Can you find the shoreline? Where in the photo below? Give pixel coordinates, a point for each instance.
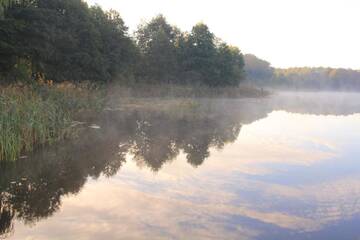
(43, 114)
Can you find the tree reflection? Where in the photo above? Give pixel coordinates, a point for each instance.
(158, 140)
(32, 188)
(6, 217)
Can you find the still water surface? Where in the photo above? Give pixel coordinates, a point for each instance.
(286, 167)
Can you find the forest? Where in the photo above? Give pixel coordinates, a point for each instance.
(67, 40)
(261, 73)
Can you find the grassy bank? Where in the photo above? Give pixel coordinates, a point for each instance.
(34, 115)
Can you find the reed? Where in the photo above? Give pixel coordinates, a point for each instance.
(35, 115)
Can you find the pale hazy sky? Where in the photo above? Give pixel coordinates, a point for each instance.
(285, 32)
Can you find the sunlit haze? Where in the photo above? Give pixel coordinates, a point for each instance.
(180, 119)
(286, 33)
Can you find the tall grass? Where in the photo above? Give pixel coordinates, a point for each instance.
(39, 114)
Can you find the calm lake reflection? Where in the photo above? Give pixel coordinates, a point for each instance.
(286, 167)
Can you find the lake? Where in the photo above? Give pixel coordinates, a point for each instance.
(283, 167)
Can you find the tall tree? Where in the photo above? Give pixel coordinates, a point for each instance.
(201, 54)
(210, 61)
(66, 40)
(230, 64)
(156, 41)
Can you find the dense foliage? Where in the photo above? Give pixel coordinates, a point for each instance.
(65, 40)
(318, 78)
(261, 73)
(68, 40)
(198, 57)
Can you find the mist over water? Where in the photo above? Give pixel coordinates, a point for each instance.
(282, 167)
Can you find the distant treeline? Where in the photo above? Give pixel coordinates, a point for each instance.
(261, 73)
(68, 40)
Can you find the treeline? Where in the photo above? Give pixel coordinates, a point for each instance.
(68, 40)
(318, 78)
(261, 73)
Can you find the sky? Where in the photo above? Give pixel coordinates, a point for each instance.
(287, 33)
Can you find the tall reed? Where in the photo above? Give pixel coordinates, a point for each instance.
(38, 114)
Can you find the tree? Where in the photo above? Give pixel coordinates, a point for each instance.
(66, 40)
(230, 63)
(201, 54)
(257, 70)
(119, 50)
(156, 41)
(209, 61)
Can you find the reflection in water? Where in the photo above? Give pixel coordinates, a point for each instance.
(6, 217)
(32, 188)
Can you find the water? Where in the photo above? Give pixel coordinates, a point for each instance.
(286, 167)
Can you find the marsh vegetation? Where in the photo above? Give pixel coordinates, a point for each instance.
(39, 114)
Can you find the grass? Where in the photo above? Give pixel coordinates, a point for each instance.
(34, 115)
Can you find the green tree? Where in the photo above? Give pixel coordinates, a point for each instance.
(66, 40)
(156, 41)
(201, 54)
(230, 63)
